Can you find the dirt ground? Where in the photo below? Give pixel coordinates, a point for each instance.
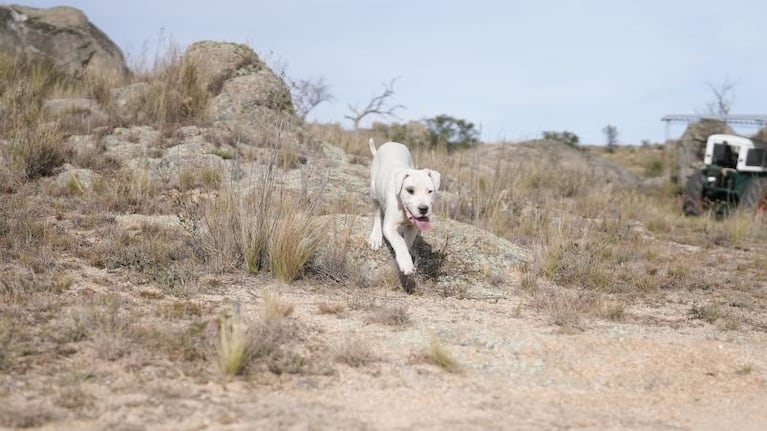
(657, 370)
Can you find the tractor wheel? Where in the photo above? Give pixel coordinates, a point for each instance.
(693, 195)
(755, 196)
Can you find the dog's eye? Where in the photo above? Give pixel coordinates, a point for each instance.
(431, 191)
(410, 190)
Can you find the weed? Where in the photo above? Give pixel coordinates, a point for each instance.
(745, 370)
(438, 355)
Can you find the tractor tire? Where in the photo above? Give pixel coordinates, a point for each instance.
(755, 196)
(693, 195)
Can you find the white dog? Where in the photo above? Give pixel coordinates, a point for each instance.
(403, 196)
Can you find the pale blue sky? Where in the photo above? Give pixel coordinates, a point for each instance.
(515, 68)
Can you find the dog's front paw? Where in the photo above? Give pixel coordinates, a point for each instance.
(375, 242)
(406, 266)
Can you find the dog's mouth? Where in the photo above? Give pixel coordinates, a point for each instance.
(422, 223)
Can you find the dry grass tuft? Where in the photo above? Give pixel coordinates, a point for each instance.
(438, 355)
(296, 239)
(354, 353)
(330, 308)
(274, 307)
(707, 313)
(235, 345)
(392, 315)
(176, 95)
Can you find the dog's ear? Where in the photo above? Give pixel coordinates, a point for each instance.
(435, 178)
(400, 180)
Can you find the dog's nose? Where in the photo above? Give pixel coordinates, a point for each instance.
(423, 209)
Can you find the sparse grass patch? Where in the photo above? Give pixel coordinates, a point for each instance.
(260, 229)
(613, 311)
(108, 322)
(296, 239)
(390, 315)
(274, 307)
(38, 151)
(566, 308)
(354, 353)
(181, 309)
(331, 308)
(438, 355)
(129, 191)
(654, 168)
(224, 153)
(30, 415)
(7, 328)
(331, 263)
(235, 344)
(707, 313)
(247, 346)
(176, 94)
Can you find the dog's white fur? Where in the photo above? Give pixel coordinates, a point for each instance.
(403, 197)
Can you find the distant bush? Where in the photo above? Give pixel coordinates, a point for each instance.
(452, 132)
(565, 137)
(413, 133)
(654, 168)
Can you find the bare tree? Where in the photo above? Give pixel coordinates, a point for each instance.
(308, 94)
(724, 96)
(378, 105)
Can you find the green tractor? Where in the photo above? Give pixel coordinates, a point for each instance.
(734, 175)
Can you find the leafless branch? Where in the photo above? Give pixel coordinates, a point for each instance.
(308, 94)
(378, 105)
(724, 96)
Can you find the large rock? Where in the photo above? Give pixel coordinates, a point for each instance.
(456, 259)
(63, 35)
(217, 62)
(691, 147)
(250, 101)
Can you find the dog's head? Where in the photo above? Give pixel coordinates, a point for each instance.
(417, 189)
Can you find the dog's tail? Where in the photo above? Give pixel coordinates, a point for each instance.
(372, 145)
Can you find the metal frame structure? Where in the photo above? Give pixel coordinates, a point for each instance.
(756, 121)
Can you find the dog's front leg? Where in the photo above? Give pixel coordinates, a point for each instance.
(376, 238)
(401, 252)
(410, 233)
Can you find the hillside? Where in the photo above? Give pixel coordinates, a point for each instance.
(179, 251)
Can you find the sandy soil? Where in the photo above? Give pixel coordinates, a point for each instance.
(517, 371)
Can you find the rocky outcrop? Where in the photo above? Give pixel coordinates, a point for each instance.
(455, 259)
(249, 99)
(217, 62)
(63, 35)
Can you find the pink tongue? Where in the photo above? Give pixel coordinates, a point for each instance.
(422, 225)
